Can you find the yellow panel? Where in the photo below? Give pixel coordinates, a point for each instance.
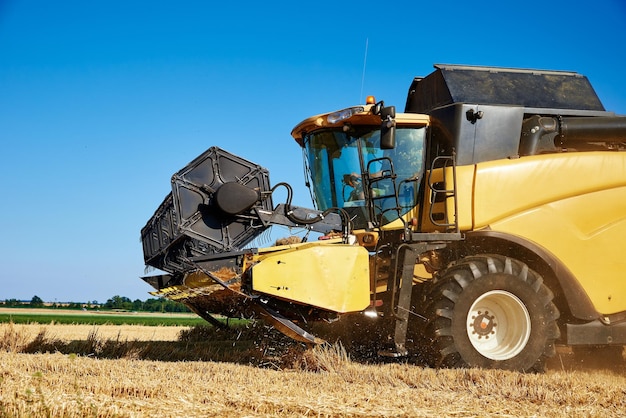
(465, 185)
(506, 187)
(574, 205)
(587, 234)
(333, 277)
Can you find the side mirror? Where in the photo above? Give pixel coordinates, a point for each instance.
(388, 127)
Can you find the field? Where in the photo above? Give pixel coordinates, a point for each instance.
(60, 370)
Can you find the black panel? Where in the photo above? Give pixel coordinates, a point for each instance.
(502, 86)
(479, 111)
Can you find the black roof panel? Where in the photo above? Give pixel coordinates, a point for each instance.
(501, 86)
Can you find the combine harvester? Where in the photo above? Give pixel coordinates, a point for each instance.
(481, 227)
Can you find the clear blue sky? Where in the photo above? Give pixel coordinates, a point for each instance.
(102, 101)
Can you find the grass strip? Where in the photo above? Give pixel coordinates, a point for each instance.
(96, 319)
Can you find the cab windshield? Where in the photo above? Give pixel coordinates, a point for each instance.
(337, 161)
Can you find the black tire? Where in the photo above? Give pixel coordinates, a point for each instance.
(490, 311)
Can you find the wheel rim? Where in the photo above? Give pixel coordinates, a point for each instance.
(498, 325)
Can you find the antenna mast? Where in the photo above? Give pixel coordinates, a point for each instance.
(363, 75)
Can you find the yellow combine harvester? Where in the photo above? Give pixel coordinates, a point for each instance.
(485, 224)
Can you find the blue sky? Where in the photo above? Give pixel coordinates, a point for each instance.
(102, 101)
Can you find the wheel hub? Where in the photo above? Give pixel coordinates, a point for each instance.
(498, 325)
(483, 324)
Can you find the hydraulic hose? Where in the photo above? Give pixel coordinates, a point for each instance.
(289, 213)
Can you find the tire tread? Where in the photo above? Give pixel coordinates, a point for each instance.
(446, 289)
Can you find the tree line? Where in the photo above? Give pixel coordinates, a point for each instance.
(117, 302)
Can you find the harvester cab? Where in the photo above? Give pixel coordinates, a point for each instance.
(352, 162)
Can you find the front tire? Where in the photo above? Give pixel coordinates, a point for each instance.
(491, 311)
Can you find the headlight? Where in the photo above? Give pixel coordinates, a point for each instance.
(344, 114)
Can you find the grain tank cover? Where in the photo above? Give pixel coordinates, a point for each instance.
(478, 111)
(501, 86)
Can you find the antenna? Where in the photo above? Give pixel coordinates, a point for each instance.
(363, 75)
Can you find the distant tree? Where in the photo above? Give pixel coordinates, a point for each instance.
(149, 305)
(119, 302)
(137, 305)
(153, 305)
(11, 303)
(163, 305)
(173, 306)
(93, 304)
(36, 302)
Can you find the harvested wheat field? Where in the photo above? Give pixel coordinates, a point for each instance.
(113, 379)
(81, 331)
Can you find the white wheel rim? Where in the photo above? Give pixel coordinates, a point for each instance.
(498, 325)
